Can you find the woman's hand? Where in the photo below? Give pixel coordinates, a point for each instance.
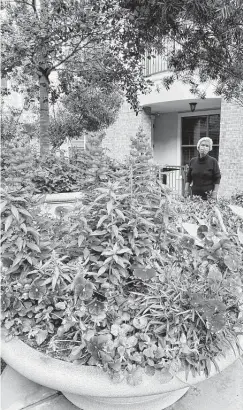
(187, 190)
(214, 195)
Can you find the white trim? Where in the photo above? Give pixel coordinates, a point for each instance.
(189, 114)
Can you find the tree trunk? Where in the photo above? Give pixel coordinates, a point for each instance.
(44, 116)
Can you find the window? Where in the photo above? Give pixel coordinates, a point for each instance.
(194, 128)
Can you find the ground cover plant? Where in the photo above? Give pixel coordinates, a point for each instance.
(130, 281)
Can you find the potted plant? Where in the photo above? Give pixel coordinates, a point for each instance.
(118, 303)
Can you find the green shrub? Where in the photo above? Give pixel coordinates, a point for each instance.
(127, 286)
(17, 164)
(22, 168)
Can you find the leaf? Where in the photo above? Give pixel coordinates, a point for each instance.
(18, 258)
(55, 277)
(41, 336)
(149, 370)
(140, 322)
(19, 243)
(231, 262)
(34, 233)
(23, 227)
(3, 205)
(124, 250)
(237, 210)
(164, 376)
(24, 212)
(109, 207)
(220, 219)
(60, 305)
(240, 235)
(115, 329)
(120, 214)
(135, 378)
(101, 220)
(8, 222)
(102, 270)
(115, 230)
(98, 233)
(80, 240)
(76, 352)
(86, 253)
(144, 273)
(216, 322)
(192, 230)
(15, 212)
(33, 246)
(29, 259)
(202, 229)
(131, 341)
(116, 365)
(214, 274)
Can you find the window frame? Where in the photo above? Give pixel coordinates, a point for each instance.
(202, 113)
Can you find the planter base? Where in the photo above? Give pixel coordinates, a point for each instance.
(155, 402)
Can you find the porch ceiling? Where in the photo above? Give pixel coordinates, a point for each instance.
(183, 105)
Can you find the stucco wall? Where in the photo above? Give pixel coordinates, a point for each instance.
(231, 149)
(165, 138)
(118, 135)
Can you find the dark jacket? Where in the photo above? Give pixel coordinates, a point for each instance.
(203, 173)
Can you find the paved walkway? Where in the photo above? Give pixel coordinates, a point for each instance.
(222, 392)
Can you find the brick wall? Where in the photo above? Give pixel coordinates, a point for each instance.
(118, 135)
(231, 149)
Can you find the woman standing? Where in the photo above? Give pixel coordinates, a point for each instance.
(204, 173)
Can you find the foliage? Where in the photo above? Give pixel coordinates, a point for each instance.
(125, 286)
(22, 246)
(17, 163)
(205, 39)
(22, 168)
(85, 109)
(95, 164)
(53, 175)
(37, 43)
(10, 124)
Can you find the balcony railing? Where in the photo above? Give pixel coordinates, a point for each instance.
(155, 65)
(157, 62)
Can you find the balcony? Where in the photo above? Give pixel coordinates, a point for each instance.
(155, 65)
(156, 62)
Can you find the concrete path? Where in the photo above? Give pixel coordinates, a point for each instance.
(222, 392)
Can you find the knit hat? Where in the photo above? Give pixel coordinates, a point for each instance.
(205, 139)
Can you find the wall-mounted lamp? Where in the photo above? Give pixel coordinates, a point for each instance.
(193, 106)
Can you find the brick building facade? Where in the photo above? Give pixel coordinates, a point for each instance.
(161, 117)
(231, 148)
(118, 135)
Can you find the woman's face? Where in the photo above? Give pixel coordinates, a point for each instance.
(204, 148)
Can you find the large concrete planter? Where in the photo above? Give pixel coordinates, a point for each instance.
(90, 388)
(50, 203)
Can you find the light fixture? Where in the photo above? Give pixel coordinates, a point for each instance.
(193, 106)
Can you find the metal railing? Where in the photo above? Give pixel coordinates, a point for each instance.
(157, 62)
(174, 177)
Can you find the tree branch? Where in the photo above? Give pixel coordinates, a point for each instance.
(70, 55)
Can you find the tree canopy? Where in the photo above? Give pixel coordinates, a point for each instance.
(72, 38)
(206, 38)
(83, 110)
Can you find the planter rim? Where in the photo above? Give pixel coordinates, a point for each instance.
(91, 380)
(61, 197)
